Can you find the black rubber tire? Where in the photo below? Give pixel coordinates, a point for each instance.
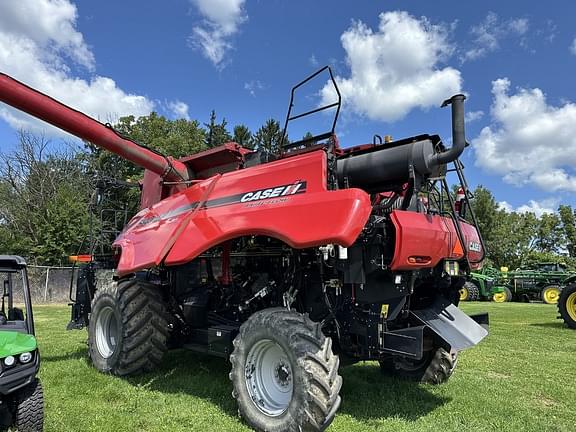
(141, 315)
(28, 408)
(567, 291)
(473, 291)
(436, 367)
(316, 383)
(509, 295)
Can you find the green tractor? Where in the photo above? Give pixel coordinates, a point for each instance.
(481, 285)
(543, 281)
(21, 397)
(567, 303)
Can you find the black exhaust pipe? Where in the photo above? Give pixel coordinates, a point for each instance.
(458, 133)
(389, 165)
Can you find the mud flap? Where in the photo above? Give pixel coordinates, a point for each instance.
(458, 330)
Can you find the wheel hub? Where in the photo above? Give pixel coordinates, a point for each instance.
(269, 379)
(551, 295)
(107, 332)
(499, 297)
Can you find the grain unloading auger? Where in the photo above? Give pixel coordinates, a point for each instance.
(284, 264)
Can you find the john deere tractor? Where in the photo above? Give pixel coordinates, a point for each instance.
(567, 303)
(21, 397)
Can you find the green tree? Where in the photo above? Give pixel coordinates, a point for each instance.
(268, 137)
(216, 133)
(43, 201)
(549, 236)
(243, 136)
(568, 219)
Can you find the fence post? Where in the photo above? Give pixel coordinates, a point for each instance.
(46, 285)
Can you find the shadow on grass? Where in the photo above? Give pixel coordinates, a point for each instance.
(549, 324)
(194, 374)
(366, 393)
(73, 355)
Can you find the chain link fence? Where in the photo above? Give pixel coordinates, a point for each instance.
(49, 284)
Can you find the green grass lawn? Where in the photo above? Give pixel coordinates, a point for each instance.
(522, 377)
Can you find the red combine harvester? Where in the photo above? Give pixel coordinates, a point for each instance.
(285, 264)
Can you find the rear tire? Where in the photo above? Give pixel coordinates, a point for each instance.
(128, 328)
(284, 373)
(28, 408)
(503, 297)
(550, 294)
(436, 367)
(567, 305)
(469, 292)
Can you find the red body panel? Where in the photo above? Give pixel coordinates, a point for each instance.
(430, 239)
(184, 225)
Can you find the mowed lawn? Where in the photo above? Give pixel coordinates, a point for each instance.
(521, 378)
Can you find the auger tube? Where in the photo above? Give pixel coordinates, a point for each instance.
(43, 107)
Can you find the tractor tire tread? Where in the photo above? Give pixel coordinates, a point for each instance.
(314, 357)
(144, 326)
(28, 408)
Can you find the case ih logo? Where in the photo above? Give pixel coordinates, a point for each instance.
(262, 194)
(474, 246)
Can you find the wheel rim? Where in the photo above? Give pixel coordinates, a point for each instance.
(463, 293)
(269, 378)
(551, 295)
(107, 331)
(571, 305)
(499, 297)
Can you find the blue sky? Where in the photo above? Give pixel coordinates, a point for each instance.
(395, 62)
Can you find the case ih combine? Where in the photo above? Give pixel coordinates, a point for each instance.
(285, 264)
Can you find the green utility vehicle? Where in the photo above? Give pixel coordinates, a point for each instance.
(21, 398)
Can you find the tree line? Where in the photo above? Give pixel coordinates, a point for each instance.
(49, 193)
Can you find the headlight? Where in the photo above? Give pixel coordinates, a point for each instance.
(25, 357)
(9, 361)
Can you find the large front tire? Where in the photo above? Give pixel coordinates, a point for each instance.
(28, 408)
(284, 373)
(567, 305)
(435, 367)
(128, 328)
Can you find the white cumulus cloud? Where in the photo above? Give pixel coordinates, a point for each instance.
(529, 141)
(537, 207)
(39, 45)
(395, 68)
(471, 116)
(490, 32)
(222, 19)
(179, 109)
(573, 47)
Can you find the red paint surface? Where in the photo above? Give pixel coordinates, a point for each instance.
(421, 235)
(303, 220)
